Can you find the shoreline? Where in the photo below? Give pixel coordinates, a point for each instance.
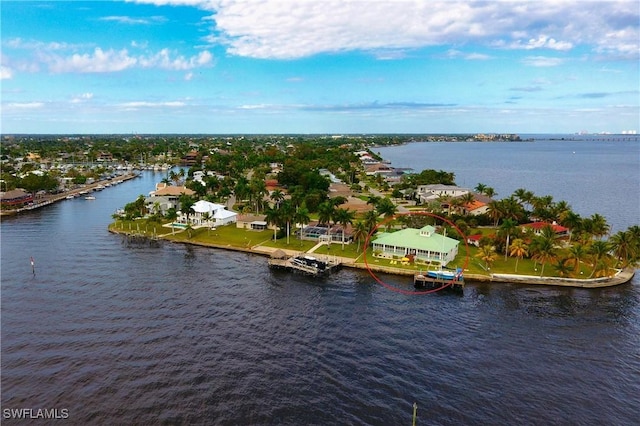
(622, 277)
(54, 198)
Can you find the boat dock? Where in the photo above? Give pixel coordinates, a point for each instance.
(304, 263)
(435, 280)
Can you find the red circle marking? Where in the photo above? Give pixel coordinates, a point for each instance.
(401, 290)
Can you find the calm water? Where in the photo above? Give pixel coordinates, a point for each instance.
(593, 176)
(120, 334)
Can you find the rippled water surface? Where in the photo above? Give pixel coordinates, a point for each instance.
(133, 334)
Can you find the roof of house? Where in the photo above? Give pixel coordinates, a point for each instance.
(248, 217)
(440, 187)
(475, 204)
(539, 225)
(224, 214)
(203, 206)
(174, 190)
(412, 238)
(13, 194)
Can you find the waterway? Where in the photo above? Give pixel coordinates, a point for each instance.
(171, 334)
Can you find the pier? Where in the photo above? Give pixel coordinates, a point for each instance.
(304, 263)
(435, 281)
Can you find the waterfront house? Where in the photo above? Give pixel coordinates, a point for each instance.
(426, 193)
(537, 228)
(161, 205)
(424, 244)
(216, 213)
(166, 197)
(326, 233)
(254, 222)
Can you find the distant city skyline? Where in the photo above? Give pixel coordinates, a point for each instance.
(330, 67)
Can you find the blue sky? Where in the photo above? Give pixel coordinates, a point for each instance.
(332, 66)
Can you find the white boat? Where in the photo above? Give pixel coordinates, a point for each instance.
(89, 197)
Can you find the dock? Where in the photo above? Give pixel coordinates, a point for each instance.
(304, 263)
(435, 281)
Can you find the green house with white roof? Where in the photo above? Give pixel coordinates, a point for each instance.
(423, 243)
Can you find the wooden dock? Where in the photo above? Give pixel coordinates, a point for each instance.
(306, 264)
(426, 282)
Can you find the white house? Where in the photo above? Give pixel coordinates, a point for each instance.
(426, 193)
(217, 214)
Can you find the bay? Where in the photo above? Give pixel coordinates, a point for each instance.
(120, 333)
(594, 175)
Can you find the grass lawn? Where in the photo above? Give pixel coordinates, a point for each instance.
(230, 235)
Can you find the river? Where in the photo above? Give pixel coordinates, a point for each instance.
(115, 333)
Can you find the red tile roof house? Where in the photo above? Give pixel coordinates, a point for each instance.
(537, 227)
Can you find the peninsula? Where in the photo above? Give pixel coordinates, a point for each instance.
(329, 196)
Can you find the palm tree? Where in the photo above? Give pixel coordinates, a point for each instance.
(371, 220)
(257, 189)
(175, 177)
(272, 217)
(544, 251)
(287, 213)
(467, 199)
(326, 212)
(623, 247)
(360, 232)
(387, 208)
(480, 187)
(495, 211)
(518, 249)
(488, 254)
(562, 267)
(344, 217)
(373, 200)
(576, 253)
(206, 217)
(599, 225)
(186, 202)
(189, 230)
(508, 227)
(599, 252)
(572, 221)
(277, 197)
(490, 192)
(301, 216)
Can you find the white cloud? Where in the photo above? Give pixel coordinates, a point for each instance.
(22, 106)
(146, 104)
(543, 42)
(134, 21)
(453, 53)
(285, 30)
(82, 98)
(112, 61)
(6, 73)
(100, 61)
(542, 61)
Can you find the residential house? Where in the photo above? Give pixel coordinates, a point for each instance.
(424, 244)
(167, 197)
(426, 193)
(537, 228)
(252, 221)
(317, 232)
(206, 213)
